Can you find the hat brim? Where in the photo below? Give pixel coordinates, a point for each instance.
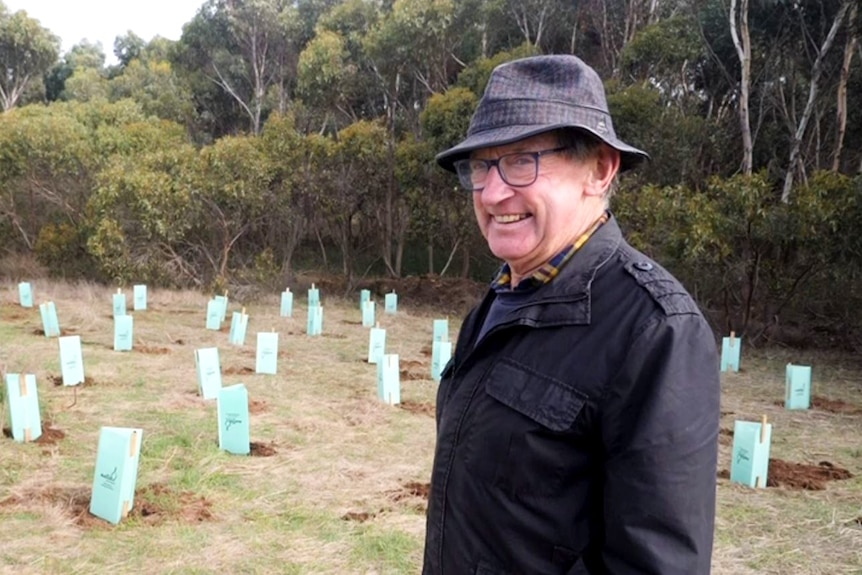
(630, 157)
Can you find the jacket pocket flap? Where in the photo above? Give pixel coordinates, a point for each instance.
(546, 400)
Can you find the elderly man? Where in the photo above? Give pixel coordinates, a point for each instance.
(577, 422)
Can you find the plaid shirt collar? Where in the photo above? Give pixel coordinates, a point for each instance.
(503, 280)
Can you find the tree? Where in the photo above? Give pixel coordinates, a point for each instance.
(84, 54)
(27, 51)
(241, 46)
(794, 163)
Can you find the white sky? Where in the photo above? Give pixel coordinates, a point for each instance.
(104, 20)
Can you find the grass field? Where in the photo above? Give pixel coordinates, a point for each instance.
(342, 487)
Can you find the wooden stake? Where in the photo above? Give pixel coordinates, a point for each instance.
(732, 338)
(23, 386)
(28, 436)
(125, 512)
(119, 290)
(763, 430)
(133, 444)
(757, 482)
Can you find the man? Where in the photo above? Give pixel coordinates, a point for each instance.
(578, 420)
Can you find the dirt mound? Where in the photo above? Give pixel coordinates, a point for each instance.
(802, 476)
(154, 504)
(63, 332)
(798, 476)
(152, 350)
(238, 370)
(418, 407)
(50, 435)
(257, 406)
(57, 380)
(835, 405)
(414, 370)
(358, 516)
(262, 449)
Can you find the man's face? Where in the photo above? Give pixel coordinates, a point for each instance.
(527, 226)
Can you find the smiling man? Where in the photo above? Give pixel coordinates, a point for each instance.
(577, 422)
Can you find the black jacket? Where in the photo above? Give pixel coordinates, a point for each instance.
(579, 436)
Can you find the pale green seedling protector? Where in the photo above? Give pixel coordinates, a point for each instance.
(139, 297)
(267, 353)
(25, 294)
(116, 473)
(71, 360)
(797, 387)
(364, 296)
(214, 307)
(314, 325)
(222, 302)
(750, 456)
(376, 344)
(50, 323)
(119, 304)
(390, 303)
(441, 353)
(389, 380)
(313, 296)
(238, 327)
(731, 349)
(23, 399)
(233, 424)
(441, 330)
(209, 372)
(123, 332)
(368, 313)
(287, 303)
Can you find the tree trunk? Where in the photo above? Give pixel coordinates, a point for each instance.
(794, 162)
(465, 263)
(430, 256)
(841, 100)
(742, 43)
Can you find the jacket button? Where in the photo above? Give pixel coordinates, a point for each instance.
(643, 266)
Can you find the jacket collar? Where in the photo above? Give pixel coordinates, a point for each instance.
(571, 286)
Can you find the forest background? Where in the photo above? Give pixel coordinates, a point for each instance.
(278, 141)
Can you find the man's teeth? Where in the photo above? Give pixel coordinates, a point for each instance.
(509, 218)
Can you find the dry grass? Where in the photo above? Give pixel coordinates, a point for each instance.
(343, 492)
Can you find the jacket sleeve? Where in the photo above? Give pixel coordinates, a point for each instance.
(659, 421)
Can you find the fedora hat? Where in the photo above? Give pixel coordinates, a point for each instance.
(538, 94)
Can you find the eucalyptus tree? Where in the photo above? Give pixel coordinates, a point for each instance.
(83, 55)
(245, 48)
(27, 52)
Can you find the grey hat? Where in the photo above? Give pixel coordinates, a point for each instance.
(539, 94)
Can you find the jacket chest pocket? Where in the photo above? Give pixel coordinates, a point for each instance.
(519, 435)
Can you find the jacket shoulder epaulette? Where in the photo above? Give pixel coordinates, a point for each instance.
(663, 288)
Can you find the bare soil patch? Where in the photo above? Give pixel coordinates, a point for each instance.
(803, 476)
(257, 406)
(427, 351)
(63, 331)
(418, 407)
(799, 476)
(358, 516)
(154, 504)
(412, 370)
(262, 449)
(351, 322)
(830, 405)
(242, 370)
(725, 436)
(152, 350)
(57, 380)
(333, 336)
(835, 405)
(51, 436)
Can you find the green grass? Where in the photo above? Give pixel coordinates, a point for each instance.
(332, 500)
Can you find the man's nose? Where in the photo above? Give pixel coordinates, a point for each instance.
(496, 189)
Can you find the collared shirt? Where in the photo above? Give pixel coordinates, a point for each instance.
(509, 299)
(503, 280)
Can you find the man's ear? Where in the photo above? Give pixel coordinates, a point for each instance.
(605, 165)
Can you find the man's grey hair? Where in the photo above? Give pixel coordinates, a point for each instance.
(582, 145)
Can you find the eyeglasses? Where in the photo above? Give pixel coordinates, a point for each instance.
(518, 169)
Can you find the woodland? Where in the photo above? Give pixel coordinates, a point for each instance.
(281, 138)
